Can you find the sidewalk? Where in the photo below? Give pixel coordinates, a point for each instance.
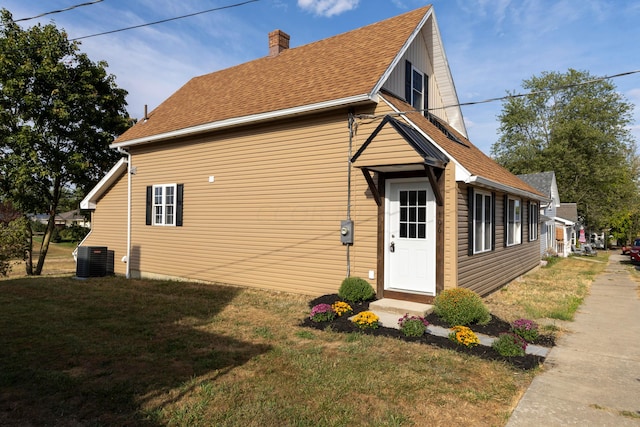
(592, 376)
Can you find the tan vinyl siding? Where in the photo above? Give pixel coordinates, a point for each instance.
(486, 272)
(271, 217)
(450, 228)
(109, 223)
(388, 148)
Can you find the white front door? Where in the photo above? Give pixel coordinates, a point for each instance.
(410, 236)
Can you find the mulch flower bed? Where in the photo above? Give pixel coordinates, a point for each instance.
(495, 327)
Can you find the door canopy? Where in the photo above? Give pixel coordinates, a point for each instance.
(432, 158)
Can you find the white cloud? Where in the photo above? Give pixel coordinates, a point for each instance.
(634, 95)
(328, 8)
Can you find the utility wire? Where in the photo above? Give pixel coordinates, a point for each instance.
(551, 89)
(166, 20)
(502, 98)
(59, 10)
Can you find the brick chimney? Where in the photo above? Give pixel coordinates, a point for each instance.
(278, 41)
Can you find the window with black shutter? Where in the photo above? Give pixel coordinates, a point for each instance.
(164, 204)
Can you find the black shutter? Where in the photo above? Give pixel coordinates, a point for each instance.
(505, 208)
(425, 95)
(521, 222)
(493, 221)
(407, 82)
(179, 203)
(471, 207)
(149, 203)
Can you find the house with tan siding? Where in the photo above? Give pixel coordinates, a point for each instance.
(344, 157)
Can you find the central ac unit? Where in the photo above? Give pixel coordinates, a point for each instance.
(92, 261)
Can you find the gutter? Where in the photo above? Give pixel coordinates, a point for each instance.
(206, 127)
(128, 255)
(484, 182)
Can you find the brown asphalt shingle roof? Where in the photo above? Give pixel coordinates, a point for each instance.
(468, 155)
(342, 66)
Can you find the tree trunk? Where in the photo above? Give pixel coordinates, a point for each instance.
(46, 239)
(28, 249)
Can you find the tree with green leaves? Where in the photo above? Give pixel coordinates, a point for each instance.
(12, 226)
(576, 125)
(59, 111)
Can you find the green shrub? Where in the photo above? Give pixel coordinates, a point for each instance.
(461, 306)
(75, 233)
(55, 236)
(509, 344)
(12, 243)
(356, 289)
(38, 227)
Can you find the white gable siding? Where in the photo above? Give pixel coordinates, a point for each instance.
(419, 56)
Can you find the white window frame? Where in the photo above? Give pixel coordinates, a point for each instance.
(164, 205)
(514, 221)
(534, 218)
(414, 90)
(483, 226)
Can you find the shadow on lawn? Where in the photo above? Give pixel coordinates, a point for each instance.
(97, 352)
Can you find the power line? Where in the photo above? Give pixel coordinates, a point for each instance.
(166, 20)
(59, 10)
(520, 95)
(502, 98)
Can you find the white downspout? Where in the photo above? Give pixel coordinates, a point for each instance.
(128, 256)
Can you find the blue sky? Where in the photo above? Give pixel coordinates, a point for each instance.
(491, 45)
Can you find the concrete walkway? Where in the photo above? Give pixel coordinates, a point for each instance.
(592, 376)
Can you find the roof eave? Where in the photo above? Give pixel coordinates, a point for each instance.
(401, 52)
(565, 221)
(484, 182)
(90, 201)
(236, 121)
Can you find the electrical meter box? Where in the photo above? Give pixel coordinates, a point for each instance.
(346, 232)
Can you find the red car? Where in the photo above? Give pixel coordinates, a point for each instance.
(634, 251)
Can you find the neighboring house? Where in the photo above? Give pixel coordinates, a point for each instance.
(569, 212)
(65, 219)
(297, 169)
(556, 233)
(71, 218)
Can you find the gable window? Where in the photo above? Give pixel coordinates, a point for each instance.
(534, 213)
(416, 84)
(416, 89)
(482, 222)
(514, 222)
(164, 204)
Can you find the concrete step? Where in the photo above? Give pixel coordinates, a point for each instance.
(391, 310)
(388, 305)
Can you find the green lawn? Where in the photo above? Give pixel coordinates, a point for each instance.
(110, 351)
